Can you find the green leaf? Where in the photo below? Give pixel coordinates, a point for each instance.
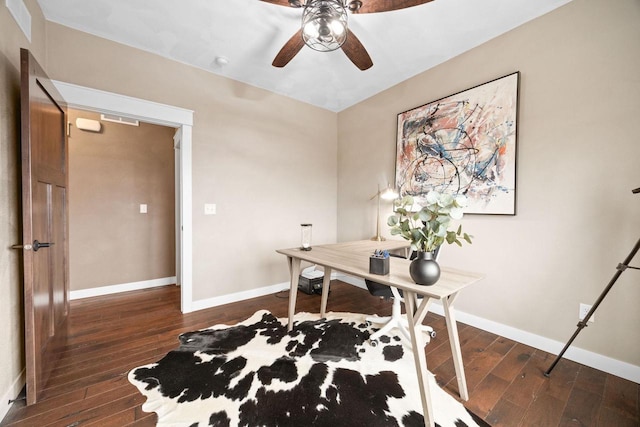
(407, 201)
(444, 219)
(451, 237)
(446, 200)
(424, 215)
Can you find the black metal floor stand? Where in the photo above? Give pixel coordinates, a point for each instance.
(583, 323)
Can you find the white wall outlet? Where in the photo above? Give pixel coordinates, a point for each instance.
(584, 310)
(209, 209)
(143, 208)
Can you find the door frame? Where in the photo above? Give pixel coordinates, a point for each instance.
(84, 98)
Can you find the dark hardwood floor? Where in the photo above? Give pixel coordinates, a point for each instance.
(112, 334)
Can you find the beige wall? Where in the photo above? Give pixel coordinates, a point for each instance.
(578, 159)
(11, 322)
(269, 163)
(110, 174)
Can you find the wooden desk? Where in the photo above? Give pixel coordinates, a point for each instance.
(353, 258)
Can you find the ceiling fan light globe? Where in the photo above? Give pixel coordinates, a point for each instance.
(338, 28)
(310, 30)
(324, 24)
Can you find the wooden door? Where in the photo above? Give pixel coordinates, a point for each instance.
(44, 222)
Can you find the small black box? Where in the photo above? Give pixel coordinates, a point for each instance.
(310, 286)
(379, 265)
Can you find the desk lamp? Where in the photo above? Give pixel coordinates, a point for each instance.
(388, 193)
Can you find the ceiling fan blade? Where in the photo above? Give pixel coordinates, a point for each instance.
(356, 52)
(278, 2)
(373, 6)
(289, 50)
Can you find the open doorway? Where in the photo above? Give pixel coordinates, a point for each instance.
(122, 211)
(83, 98)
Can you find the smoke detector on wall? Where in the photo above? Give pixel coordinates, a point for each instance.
(119, 119)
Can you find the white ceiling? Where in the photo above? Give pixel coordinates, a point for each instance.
(250, 33)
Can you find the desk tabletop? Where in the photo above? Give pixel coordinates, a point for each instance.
(353, 258)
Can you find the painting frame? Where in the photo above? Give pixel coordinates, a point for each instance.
(464, 143)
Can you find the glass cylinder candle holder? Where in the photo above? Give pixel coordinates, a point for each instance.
(306, 237)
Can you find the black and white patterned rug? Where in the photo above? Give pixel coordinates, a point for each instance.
(322, 373)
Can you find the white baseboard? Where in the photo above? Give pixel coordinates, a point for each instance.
(124, 287)
(241, 296)
(594, 360)
(11, 394)
(238, 296)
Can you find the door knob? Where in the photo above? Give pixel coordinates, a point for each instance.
(37, 245)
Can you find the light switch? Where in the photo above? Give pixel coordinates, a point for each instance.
(143, 208)
(209, 209)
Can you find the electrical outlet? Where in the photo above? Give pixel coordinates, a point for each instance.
(209, 209)
(584, 310)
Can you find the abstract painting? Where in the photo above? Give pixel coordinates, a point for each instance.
(463, 144)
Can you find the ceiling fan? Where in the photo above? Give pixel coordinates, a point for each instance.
(324, 27)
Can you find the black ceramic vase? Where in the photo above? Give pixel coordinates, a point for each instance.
(424, 270)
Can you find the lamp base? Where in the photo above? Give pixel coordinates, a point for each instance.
(378, 239)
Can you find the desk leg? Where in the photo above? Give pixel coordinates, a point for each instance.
(452, 329)
(326, 282)
(294, 268)
(420, 359)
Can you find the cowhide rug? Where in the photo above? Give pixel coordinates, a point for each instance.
(323, 373)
